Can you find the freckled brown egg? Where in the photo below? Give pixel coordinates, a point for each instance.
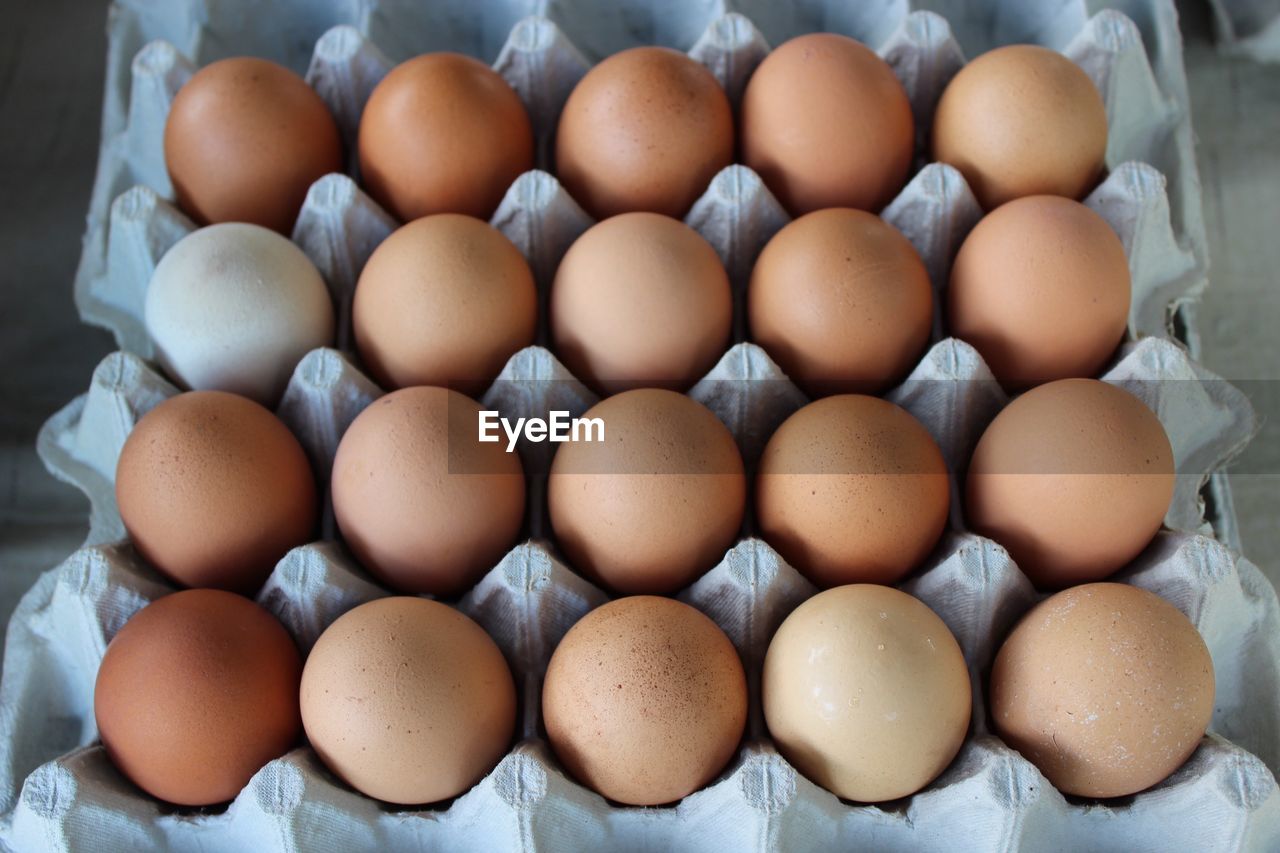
(852, 489)
(196, 692)
(1041, 289)
(645, 700)
(654, 505)
(244, 140)
(408, 701)
(826, 123)
(841, 301)
(1073, 478)
(1105, 687)
(1022, 120)
(445, 300)
(646, 129)
(640, 300)
(443, 133)
(214, 490)
(421, 502)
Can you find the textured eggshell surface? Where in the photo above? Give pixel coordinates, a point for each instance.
(866, 692)
(645, 700)
(408, 701)
(1105, 687)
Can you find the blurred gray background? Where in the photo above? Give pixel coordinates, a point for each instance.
(52, 55)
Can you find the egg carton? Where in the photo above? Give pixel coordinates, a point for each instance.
(1248, 27)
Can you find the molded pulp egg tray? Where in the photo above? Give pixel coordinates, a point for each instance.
(59, 792)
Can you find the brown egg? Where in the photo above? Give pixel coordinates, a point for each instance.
(654, 505)
(244, 141)
(421, 502)
(645, 700)
(866, 692)
(443, 133)
(640, 300)
(195, 694)
(445, 300)
(852, 489)
(1073, 478)
(826, 123)
(841, 301)
(647, 129)
(1022, 120)
(214, 490)
(1106, 688)
(408, 701)
(1041, 289)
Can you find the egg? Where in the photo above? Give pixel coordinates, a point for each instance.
(445, 300)
(195, 693)
(841, 301)
(1022, 120)
(235, 307)
(1041, 289)
(421, 502)
(646, 129)
(656, 503)
(443, 133)
(645, 700)
(243, 142)
(214, 490)
(1073, 478)
(852, 489)
(825, 123)
(640, 300)
(866, 692)
(408, 701)
(1105, 687)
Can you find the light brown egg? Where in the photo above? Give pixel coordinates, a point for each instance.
(422, 503)
(1022, 120)
(654, 505)
(866, 692)
(646, 129)
(443, 133)
(841, 301)
(645, 700)
(214, 490)
(196, 692)
(445, 300)
(1105, 687)
(826, 123)
(1041, 289)
(244, 141)
(1073, 478)
(640, 300)
(852, 489)
(408, 701)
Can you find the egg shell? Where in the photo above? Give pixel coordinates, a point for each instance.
(421, 502)
(645, 700)
(1073, 478)
(1106, 688)
(408, 701)
(826, 123)
(243, 142)
(852, 489)
(646, 129)
(841, 301)
(640, 300)
(196, 692)
(443, 133)
(214, 490)
(654, 505)
(1022, 120)
(866, 692)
